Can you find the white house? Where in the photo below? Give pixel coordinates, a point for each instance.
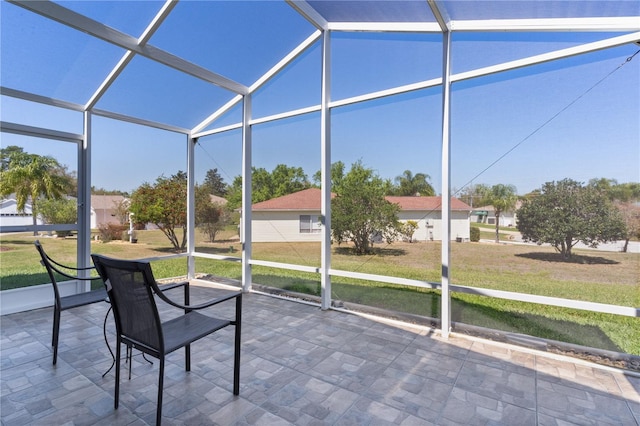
(103, 210)
(487, 214)
(10, 216)
(296, 217)
(427, 211)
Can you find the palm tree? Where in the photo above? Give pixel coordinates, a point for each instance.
(31, 176)
(410, 184)
(502, 198)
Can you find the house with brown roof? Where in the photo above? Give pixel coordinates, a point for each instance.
(427, 212)
(296, 217)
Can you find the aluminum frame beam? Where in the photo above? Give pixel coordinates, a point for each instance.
(140, 121)
(613, 24)
(325, 167)
(549, 56)
(129, 55)
(309, 13)
(445, 298)
(32, 97)
(245, 218)
(290, 57)
(97, 29)
(39, 132)
(493, 69)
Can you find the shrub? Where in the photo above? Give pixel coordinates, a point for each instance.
(474, 234)
(111, 231)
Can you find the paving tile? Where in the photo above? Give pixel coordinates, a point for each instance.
(577, 375)
(414, 394)
(429, 364)
(470, 408)
(630, 388)
(578, 405)
(502, 357)
(299, 366)
(499, 383)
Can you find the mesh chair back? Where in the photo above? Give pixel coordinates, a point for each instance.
(135, 311)
(44, 260)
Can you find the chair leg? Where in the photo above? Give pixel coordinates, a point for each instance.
(55, 334)
(160, 386)
(236, 350)
(116, 398)
(129, 357)
(187, 357)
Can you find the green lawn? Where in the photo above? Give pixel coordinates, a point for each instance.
(602, 277)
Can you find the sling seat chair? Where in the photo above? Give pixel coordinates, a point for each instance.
(62, 303)
(132, 289)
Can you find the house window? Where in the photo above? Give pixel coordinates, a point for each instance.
(310, 224)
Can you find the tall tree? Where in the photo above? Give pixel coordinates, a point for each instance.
(211, 218)
(214, 183)
(565, 213)
(409, 184)
(6, 153)
(102, 191)
(287, 180)
(503, 198)
(473, 195)
(281, 181)
(234, 196)
(630, 214)
(59, 211)
(31, 176)
(262, 185)
(337, 175)
(360, 212)
(165, 205)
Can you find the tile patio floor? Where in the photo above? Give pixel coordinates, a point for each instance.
(302, 366)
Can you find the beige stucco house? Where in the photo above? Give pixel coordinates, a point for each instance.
(296, 217)
(104, 209)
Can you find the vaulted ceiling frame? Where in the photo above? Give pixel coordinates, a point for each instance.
(129, 55)
(410, 27)
(608, 24)
(97, 29)
(282, 64)
(493, 69)
(309, 13)
(45, 100)
(139, 46)
(549, 56)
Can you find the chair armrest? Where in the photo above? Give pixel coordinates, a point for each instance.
(73, 277)
(158, 291)
(170, 286)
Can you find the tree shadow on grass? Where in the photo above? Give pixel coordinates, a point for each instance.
(232, 250)
(376, 251)
(414, 305)
(576, 259)
(17, 242)
(531, 324)
(474, 317)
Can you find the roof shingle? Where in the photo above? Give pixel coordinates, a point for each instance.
(310, 199)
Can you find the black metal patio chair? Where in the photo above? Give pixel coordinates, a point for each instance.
(62, 303)
(132, 288)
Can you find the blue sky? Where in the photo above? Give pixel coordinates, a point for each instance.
(597, 136)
